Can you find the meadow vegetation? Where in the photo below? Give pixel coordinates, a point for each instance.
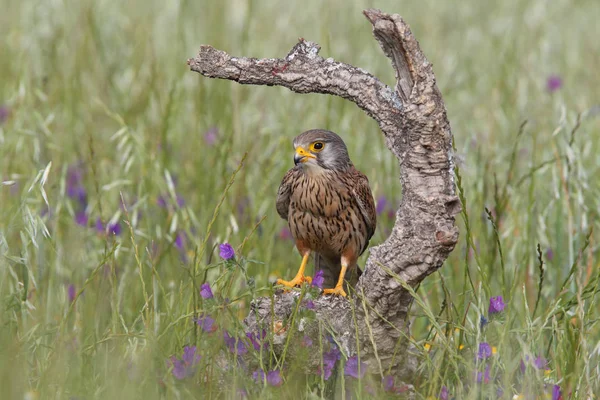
(137, 199)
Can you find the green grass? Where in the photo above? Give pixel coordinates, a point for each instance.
(102, 87)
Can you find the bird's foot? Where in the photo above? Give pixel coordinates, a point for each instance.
(297, 281)
(338, 291)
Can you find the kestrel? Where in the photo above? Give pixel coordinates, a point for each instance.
(328, 205)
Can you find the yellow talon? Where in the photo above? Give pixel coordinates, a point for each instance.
(339, 287)
(297, 281)
(338, 290)
(300, 278)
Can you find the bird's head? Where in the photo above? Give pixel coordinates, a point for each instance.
(318, 150)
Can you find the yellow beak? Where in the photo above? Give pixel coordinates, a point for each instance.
(302, 155)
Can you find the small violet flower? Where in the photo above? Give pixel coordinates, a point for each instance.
(211, 135)
(329, 360)
(354, 368)
(4, 114)
(556, 393)
(496, 305)
(553, 83)
(285, 234)
(180, 240)
(81, 218)
(234, 345)
(115, 228)
(485, 376)
(444, 395)
(226, 251)
(319, 279)
(485, 351)
(540, 363)
(71, 292)
(206, 323)
(257, 338)
(206, 291)
(549, 254)
(273, 377)
(307, 341)
(382, 203)
(186, 366)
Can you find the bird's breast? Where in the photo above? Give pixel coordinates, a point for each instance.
(323, 214)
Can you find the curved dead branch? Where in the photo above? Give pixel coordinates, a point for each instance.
(413, 119)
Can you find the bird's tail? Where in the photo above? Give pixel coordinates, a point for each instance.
(331, 271)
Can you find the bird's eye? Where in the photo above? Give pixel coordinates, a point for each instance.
(317, 146)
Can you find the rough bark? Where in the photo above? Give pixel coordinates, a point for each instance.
(413, 119)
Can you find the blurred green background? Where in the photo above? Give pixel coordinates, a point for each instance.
(97, 102)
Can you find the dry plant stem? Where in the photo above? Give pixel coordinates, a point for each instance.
(413, 119)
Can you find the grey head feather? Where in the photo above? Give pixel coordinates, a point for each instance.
(334, 155)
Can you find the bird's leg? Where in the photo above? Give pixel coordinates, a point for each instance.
(300, 277)
(339, 287)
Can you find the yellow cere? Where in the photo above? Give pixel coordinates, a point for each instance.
(304, 154)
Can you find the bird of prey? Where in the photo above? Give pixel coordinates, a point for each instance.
(329, 208)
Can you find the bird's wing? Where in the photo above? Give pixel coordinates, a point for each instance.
(285, 191)
(364, 198)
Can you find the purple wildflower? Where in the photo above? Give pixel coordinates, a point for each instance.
(285, 234)
(496, 305)
(234, 345)
(388, 383)
(309, 304)
(75, 188)
(485, 351)
(99, 225)
(540, 363)
(258, 339)
(4, 114)
(553, 83)
(549, 254)
(180, 240)
(206, 291)
(354, 368)
(258, 376)
(207, 323)
(115, 228)
(556, 393)
(187, 365)
(274, 378)
(382, 203)
(444, 394)
(71, 292)
(161, 201)
(329, 360)
(485, 376)
(81, 218)
(226, 251)
(319, 279)
(189, 356)
(307, 341)
(210, 136)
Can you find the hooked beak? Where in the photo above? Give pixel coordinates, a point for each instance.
(302, 155)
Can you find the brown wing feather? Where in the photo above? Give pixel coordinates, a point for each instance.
(366, 204)
(284, 193)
